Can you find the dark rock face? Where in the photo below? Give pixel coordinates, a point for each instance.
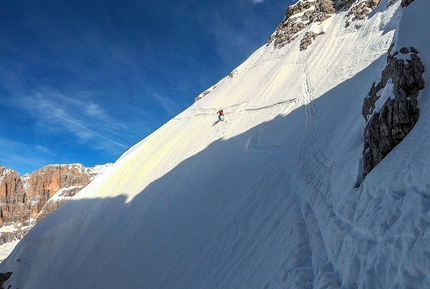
(4, 277)
(406, 3)
(388, 123)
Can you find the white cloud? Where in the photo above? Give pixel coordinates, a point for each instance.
(19, 156)
(167, 103)
(257, 1)
(86, 120)
(42, 149)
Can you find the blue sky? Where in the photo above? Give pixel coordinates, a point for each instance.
(83, 81)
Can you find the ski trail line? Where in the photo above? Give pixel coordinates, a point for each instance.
(308, 94)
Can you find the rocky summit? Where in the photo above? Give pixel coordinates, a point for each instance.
(300, 15)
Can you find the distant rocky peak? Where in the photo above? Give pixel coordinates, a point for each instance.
(4, 172)
(26, 200)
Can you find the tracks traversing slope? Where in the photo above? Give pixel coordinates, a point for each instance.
(311, 118)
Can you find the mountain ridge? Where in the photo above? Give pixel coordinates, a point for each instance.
(27, 199)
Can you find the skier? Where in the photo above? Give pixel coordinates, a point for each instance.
(220, 115)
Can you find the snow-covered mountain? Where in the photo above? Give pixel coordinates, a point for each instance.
(273, 196)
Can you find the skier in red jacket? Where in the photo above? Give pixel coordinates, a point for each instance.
(220, 115)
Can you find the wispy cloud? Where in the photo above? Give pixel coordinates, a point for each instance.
(257, 1)
(42, 149)
(85, 128)
(168, 104)
(20, 156)
(84, 119)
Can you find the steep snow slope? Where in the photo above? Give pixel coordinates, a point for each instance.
(272, 197)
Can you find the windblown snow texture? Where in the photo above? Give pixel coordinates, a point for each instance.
(273, 197)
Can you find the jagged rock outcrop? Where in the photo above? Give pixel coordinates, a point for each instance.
(298, 17)
(391, 107)
(11, 192)
(26, 200)
(201, 95)
(232, 74)
(305, 12)
(4, 277)
(406, 3)
(308, 39)
(204, 93)
(360, 9)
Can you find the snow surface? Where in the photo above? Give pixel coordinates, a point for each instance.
(5, 249)
(272, 197)
(384, 94)
(9, 228)
(59, 195)
(4, 173)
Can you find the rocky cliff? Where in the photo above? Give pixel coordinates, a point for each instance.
(298, 17)
(305, 12)
(391, 107)
(26, 200)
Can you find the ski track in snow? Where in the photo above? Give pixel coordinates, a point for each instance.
(237, 108)
(311, 176)
(307, 227)
(312, 118)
